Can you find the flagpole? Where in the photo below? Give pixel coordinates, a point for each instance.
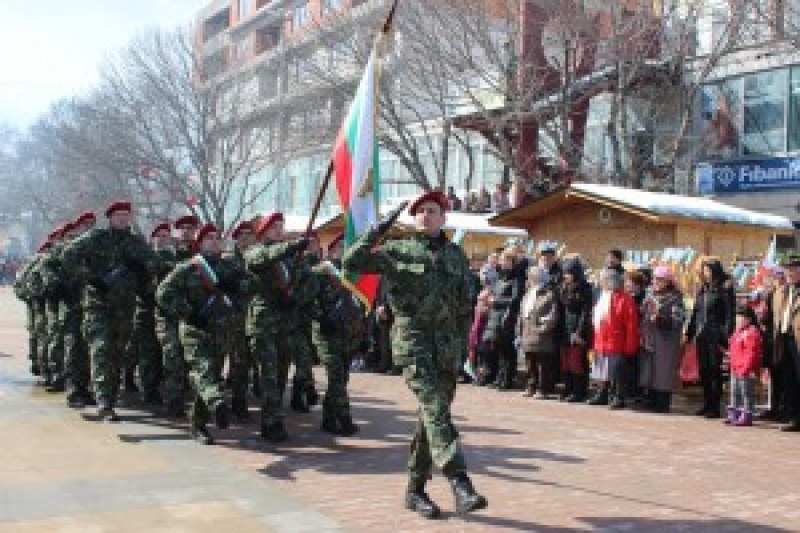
(320, 195)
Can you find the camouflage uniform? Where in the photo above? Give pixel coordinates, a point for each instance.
(266, 328)
(55, 291)
(109, 261)
(202, 311)
(169, 339)
(143, 349)
(22, 291)
(427, 289)
(303, 291)
(240, 357)
(68, 349)
(35, 287)
(338, 330)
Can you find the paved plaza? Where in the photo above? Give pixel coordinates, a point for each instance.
(544, 466)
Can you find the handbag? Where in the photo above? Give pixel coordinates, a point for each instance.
(690, 366)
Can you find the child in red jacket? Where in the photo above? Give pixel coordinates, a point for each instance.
(745, 357)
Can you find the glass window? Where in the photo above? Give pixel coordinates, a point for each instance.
(331, 5)
(764, 113)
(245, 6)
(713, 24)
(301, 15)
(794, 111)
(721, 118)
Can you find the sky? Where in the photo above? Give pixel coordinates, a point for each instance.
(50, 49)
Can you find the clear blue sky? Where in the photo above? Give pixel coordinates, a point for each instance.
(52, 48)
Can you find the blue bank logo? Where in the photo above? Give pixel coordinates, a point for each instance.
(748, 176)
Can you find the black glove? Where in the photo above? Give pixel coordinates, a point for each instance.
(386, 223)
(300, 245)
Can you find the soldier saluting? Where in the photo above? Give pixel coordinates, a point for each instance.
(426, 278)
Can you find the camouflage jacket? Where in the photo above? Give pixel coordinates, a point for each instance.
(189, 295)
(110, 262)
(55, 280)
(339, 316)
(24, 285)
(270, 268)
(427, 290)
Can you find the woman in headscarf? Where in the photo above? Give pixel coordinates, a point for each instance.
(576, 301)
(662, 325)
(536, 333)
(710, 327)
(499, 334)
(616, 338)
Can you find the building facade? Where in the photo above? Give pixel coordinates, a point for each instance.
(271, 49)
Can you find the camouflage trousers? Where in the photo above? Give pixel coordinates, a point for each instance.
(42, 344)
(107, 329)
(302, 355)
(336, 358)
(143, 348)
(271, 350)
(174, 365)
(76, 353)
(433, 381)
(32, 335)
(202, 350)
(240, 361)
(55, 340)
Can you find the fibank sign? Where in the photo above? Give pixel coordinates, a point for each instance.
(746, 176)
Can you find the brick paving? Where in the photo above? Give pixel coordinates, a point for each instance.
(544, 466)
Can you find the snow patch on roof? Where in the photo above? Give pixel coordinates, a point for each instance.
(683, 206)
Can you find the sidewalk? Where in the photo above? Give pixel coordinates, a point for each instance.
(545, 466)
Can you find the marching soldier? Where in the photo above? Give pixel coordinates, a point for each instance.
(76, 351)
(338, 331)
(108, 259)
(51, 291)
(427, 288)
(241, 359)
(143, 348)
(24, 290)
(201, 293)
(303, 289)
(265, 325)
(167, 329)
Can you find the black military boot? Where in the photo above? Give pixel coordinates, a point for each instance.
(239, 409)
(201, 435)
(130, 381)
(221, 418)
(57, 385)
(467, 500)
(312, 396)
(35, 369)
(417, 500)
(175, 409)
(330, 424)
(152, 397)
(274, 432)
(298, 402)
(347, 428)
(566, 392)
(106, 412)
(76, 399)
(600, 397)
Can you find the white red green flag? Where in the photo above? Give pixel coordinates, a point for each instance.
(356, 165)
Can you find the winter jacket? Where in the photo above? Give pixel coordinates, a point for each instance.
(712, 318)
(577, 298)
(536, 329)
(745, 350)
(506, 295)
(618, 333)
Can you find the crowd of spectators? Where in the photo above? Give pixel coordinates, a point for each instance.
(617, 336)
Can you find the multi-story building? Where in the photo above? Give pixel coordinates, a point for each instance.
(269, 46)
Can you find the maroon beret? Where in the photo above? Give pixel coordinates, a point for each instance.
(121, 205)
(431, 196)
(187, 220)
(243, 226)
(268, 222)
(161, 227)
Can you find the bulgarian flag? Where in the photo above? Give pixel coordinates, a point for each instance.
(356, 165)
